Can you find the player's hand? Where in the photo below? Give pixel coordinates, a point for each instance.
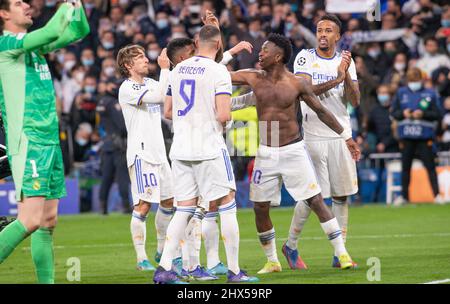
(163, 60)
(417, 114)
(210, 19)
(353, 148)
(241, 46)
(344, 65)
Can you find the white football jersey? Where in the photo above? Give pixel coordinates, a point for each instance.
(321, 70)
(193, 85)
(143, 121)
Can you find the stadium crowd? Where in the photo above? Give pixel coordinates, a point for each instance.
(414, 33)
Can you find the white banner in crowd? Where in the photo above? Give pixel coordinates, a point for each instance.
(350, 6)
(377, 35)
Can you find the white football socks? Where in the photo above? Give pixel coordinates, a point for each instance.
(230, 234)
(138, 234)
(267, 240)
(340, 211)
(210, 234)
(331, 228)
(162, 220)
(301, 214)
(175, 233)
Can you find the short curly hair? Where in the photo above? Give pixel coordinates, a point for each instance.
(177, 44)
(332, 18)
(284, 44)
(125, 57)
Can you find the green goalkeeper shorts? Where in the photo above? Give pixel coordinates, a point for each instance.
(38, 170)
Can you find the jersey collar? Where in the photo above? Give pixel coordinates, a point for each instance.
(325, 57)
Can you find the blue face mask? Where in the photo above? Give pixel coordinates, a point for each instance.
(87, 62)
(108, 45)
(289, 26)
(415, 86)
(81, 141)
(445, 23)
(89, 89)
(383, 99)
(162, 23)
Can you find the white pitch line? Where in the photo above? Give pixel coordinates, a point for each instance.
(438, 282)
(315, 238)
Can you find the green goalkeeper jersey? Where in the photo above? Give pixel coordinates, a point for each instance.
(27, 96)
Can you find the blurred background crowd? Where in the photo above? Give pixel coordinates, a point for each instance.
(414, 33)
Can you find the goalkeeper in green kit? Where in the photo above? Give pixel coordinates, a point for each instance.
(28, 105)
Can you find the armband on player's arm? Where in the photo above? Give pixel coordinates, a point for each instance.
(243, 101)
(78, 29)
(227, 57)
(157, 96)
(54, 28)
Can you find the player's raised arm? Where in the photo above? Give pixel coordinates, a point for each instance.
(157, 96)
(351, 86)
(309, 97)
(243, 77)
(77, 29)
(240, 47)
(54, 28)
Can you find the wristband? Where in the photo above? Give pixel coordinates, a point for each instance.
(346, 134)
(227, 57)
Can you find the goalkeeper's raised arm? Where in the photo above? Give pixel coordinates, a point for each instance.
(67, 25)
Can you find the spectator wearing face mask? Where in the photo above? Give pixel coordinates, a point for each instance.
(417, 114)
(107, 44)
(153, 51)
(89, 62)
(163, 28)
(82, 142)
(108, 69)
(396, 74)
(71, 86)
(379, 122)
(83, 107)
(376, 60)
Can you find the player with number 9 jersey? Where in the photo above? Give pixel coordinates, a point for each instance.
(194, 83)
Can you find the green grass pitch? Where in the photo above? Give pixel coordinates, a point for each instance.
(412, 244)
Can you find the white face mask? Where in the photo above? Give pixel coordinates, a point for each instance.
(109, 71)
(309, 6)
(153, 54)
(68, 65)
(79, 77)
(399, 66)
